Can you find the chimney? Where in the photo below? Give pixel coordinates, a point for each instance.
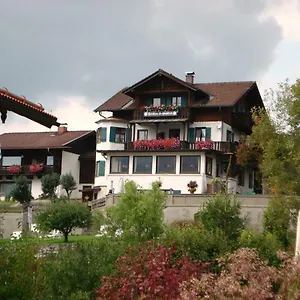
(62, 129)
(189, 77)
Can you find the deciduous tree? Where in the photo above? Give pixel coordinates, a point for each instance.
(68, 183)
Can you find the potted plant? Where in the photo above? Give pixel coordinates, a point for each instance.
(201, 145)
(14, 170)
(192, 185)
(36, 168)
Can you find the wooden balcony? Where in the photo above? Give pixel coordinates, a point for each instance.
(183, 113)
(223, 147)
(26, 170)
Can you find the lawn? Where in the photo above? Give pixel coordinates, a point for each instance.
(6, 203)
(51, 241)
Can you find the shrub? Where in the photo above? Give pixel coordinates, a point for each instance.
(68, 183)
(150, 274)
(64, 217)
(49, 184)
(194, 241)
(222, 212)
(21, 192)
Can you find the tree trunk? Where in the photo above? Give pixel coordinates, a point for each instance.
(66, 236)
(25, 217)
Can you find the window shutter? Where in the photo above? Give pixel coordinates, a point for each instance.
(112, 134)
(191, 135)
(163, 101)
(149, 101)
(183, 101)
(169, 101)
(98, 135)
(101, 168)
(127, 135)
(228, 136)
(208, 133)
(103, 134)
(232, 137)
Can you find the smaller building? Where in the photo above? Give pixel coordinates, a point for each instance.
(35, 154)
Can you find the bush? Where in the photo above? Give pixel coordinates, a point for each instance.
(19, 272)
(194, 241)
(68, 183)
(21, 192)
(64, 216)
(222, 212)
(266, 244)
(150, 274)
(49, 184)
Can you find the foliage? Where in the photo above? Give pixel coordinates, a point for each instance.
(157, 144)
(193, 241)
(266, 244)
(139, 214)
(222, 212)
(98, 220)
(21, 192)
(64, 217)
(244, 276)
(68, 183)
(76, 271)
(279, 156)
(49, 184)
(278, 218)
(150, 274)
(19, 271)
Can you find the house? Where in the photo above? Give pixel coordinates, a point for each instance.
(37, 153)
(175, 130)
(25, 108)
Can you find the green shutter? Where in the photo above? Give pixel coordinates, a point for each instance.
(163, 101)
(169, 100)
(183, 101)
(228, 136)
(149, 101)
(103, 134)
(101, 168)
(191, 135)
(112, 134)
(127, 135)
(208, 133)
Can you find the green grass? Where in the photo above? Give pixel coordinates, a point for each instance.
(7, 203)
(51, 241)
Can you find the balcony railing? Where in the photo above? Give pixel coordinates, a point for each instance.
(182, 113)
(224, 147)
(4, 170)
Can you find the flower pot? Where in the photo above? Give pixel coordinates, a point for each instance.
(192, 190)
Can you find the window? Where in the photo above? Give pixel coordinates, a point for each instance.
(11, 160)
(200, 134)
(208, 167)
(166, 164)
(50, 161)
(190, 164)
(250, 180)
(119, 164)
(176, 101)
(241, 178)
(229, 136)
(120, 135)
(101, 134)
(100, 170)
(156, 101)
(142, 164)
(142, 134)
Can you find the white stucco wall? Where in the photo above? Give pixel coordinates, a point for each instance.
(36, 187)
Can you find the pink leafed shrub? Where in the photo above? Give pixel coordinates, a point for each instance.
(35, 168)
(207, 144)
(152, 273)
(14, 170)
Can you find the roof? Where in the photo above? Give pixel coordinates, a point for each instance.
(221, 93)
(25, 108)
(116, 102)
(225, 93)
(39, 140)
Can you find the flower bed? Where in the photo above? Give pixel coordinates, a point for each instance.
(157, 144)
(207, 144)
(14, 170)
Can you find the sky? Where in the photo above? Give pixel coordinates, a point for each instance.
(72, 55)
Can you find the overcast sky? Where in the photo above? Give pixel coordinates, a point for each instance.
(72, 55)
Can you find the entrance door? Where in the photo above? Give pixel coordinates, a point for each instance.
(174, 133)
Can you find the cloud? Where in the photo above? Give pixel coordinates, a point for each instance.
(95, 48)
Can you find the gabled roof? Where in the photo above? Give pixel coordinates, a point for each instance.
(220, 93)
(25, 108)
(40, 140)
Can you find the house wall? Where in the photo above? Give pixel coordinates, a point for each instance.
(36, 187)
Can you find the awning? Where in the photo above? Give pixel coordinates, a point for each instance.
(93, 189)
(159, 120)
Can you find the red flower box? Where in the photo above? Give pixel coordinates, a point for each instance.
(36, 168)
(157, 144)
(207, 144)
(15, 169)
